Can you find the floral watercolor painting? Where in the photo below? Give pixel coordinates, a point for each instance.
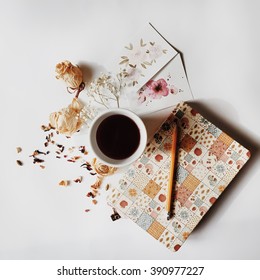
(167, 88)
(156, 89)
(138, 58)
(154, 77)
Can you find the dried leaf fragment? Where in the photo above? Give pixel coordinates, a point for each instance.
(37, 160)
(46, 127)
(90, 194)
(82, 149)
(36, 153)
(64, 183)
(97, 183)
(20, 163)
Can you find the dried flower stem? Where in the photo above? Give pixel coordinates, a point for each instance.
(106, 88)
(76, 90)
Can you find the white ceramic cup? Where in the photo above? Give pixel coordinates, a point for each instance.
(93, 137)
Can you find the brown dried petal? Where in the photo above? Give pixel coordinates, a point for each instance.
(97, 183)
(78, 180)
(19, 162)
(64, 183)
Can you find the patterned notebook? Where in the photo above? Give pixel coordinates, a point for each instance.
(208, 160)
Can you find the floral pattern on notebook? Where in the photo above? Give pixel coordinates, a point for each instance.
(207, 161)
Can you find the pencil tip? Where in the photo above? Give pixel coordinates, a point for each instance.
(169, 215)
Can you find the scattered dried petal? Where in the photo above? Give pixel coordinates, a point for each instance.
(82, 149)
(86, 165)
(78, 180)
(97, 183)
(87, 210)
(20, 163)
(36, 153)
(18, 149)
(90, 194)
(37, 160)
(42, 166)
(77, 157)
(46, 128)
(107, 187)
(64, 183)
(94, 201)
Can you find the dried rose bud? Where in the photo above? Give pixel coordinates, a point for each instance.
(69, 73)
(103, 169)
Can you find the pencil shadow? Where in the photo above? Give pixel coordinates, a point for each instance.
(153, 121)
(244, 138)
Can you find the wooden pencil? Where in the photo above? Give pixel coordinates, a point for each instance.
(172, 171)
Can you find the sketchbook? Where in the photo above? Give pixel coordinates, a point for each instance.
(207, 161)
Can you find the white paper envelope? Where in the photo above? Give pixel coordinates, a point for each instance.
(156, 78)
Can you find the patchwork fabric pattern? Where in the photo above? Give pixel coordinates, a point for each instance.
(207, 161)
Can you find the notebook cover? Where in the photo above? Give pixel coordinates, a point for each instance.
(207, 161)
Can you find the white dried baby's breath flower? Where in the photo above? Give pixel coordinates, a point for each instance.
(107, 88)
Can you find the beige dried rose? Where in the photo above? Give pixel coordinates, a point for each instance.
(69, 73)
(97, 183)
(69, 120)
(102, 169)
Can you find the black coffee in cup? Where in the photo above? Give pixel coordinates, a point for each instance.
(118, 136)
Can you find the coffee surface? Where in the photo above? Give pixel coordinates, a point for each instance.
(118, 137)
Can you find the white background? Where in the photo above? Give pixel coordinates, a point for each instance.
(220, 43)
